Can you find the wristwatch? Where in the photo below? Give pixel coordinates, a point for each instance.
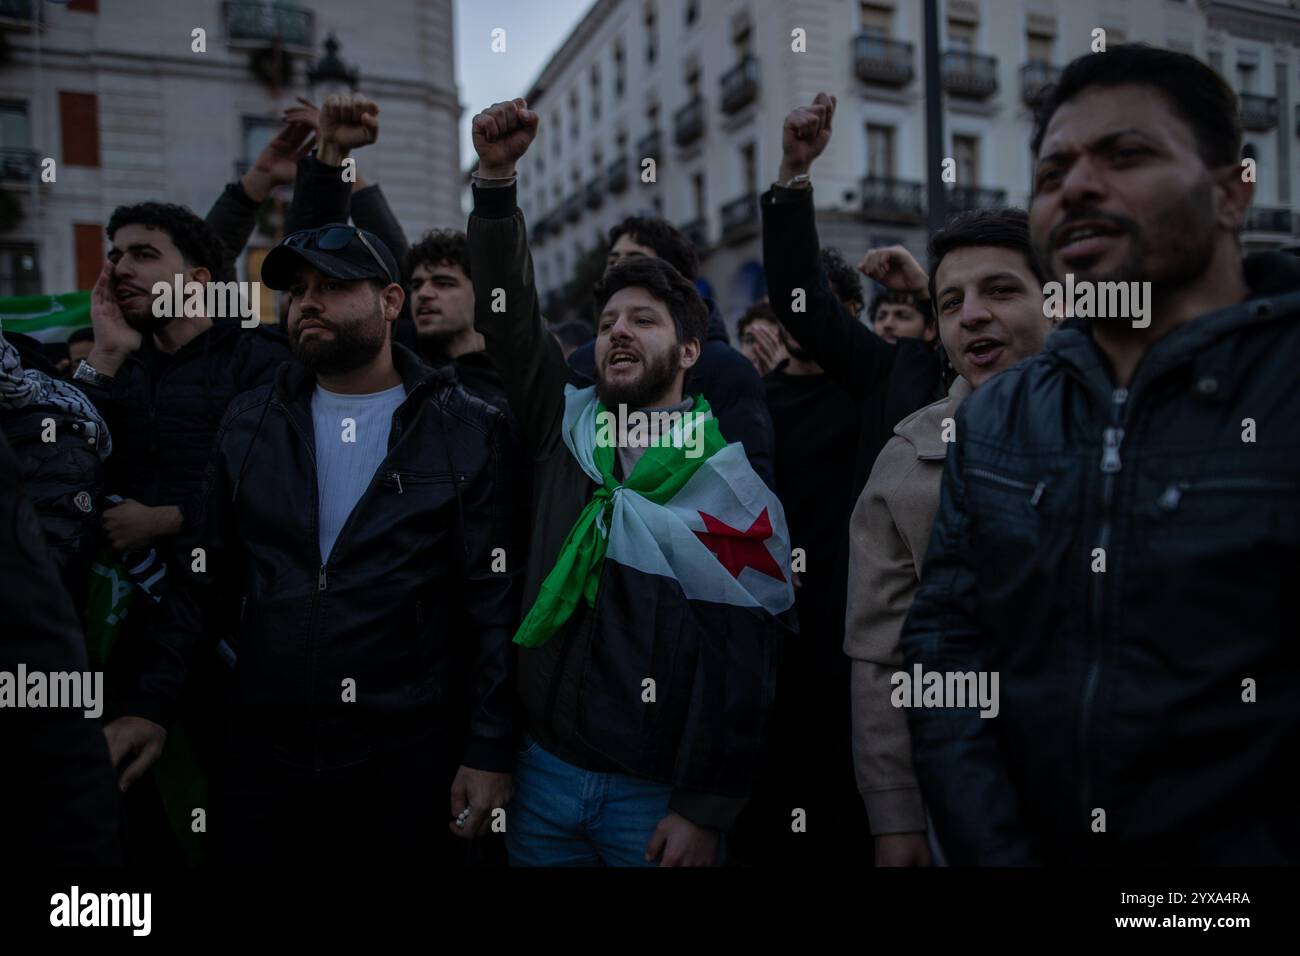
(91, 376)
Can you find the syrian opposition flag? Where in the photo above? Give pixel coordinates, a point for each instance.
(685, 566)
(49, 318)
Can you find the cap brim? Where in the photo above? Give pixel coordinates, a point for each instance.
(283, 262)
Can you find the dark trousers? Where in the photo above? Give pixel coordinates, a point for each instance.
(391, 808)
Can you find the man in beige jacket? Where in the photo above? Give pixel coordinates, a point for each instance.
(988, 298)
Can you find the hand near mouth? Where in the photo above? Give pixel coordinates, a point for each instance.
(113, 336)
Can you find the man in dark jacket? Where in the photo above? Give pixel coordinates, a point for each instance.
(58, 799)
(356, 535)
(608, 776)
(722, 375)
(888, 380)
(1118, 537)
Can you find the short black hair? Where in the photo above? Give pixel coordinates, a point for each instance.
(1005, 226)
(1197, 92)
(896, 297)
(664, 238)
(661, 280)
(844, 279)
(84, 334)
(759, 310)
(437, 247)
(197, 242)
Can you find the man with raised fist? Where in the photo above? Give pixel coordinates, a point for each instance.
(658, 582)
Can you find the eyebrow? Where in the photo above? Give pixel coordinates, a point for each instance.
(1100, 143)
(984, 280)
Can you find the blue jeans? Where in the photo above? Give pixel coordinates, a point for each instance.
(562, 815)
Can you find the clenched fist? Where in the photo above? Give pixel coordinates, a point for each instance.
(895, 268)
(502, 133)
(347, 121)
(804, 136)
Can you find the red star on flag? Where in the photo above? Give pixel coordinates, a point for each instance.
(736, 549)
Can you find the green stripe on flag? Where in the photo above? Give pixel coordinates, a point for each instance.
(50, 318)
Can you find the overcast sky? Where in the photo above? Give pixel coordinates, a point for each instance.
(534, 30)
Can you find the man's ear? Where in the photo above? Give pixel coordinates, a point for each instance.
(1233, 194)
(392, 298)
(690, 352)
(929, 332)
(201, 275)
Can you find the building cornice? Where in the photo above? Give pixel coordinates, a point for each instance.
(562, 58)
(1254, 20)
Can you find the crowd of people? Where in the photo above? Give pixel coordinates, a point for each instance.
(396, 592)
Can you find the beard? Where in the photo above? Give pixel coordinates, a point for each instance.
(1172, 252)
(657, 374)
(354, 344)
(145, 322)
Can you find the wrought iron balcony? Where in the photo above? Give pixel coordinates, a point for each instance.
(697, 231)
(884, 197)
(261, 23)
(963, 198)
(17, 165)
(740, 85)
(969, 74)
(1268, 219)
(688, 122)
(595, 192)
(1258, 112)
(740, 216)
(616, 175)
(573, 206)
(650, 145)
(1035, 78)
(541, 230)
(882, 61)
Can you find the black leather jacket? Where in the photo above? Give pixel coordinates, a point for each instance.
(411, 604)
(1162, 690)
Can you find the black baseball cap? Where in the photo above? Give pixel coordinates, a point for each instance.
(337, 250)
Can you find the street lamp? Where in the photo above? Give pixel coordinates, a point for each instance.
(330, 74)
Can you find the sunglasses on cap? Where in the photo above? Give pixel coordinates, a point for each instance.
(334, 238)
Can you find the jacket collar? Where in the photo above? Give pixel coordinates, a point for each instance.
(1274, 283)
(924, 427)
(294, 382)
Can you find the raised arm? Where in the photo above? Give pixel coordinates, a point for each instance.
(797, 286)
(506, 312)
(321, 195)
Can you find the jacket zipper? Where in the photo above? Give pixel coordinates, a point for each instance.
(396, 477)
(1036, 489)
(1110, 467)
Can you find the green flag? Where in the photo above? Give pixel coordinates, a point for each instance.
(49, 318)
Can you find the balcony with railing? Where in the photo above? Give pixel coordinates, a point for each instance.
(882, 61)
(739, 217)
(595, 192)
(964, 198)
(688, 122)
(1258, 112)
(973, 75)
(1036, 77)
(886, 198)
(697, 232)
(541, 229)
(1274, 220)
(573, 206)
(17, 165)
(259, 24)
(616, 176)
(650, 145)
(740, 85)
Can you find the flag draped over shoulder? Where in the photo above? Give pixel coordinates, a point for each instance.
(701, 519)
(685, 570)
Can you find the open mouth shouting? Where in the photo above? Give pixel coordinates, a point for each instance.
(1086, 239)
(621, 359)
(984, 351)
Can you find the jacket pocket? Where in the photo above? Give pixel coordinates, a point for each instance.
(1015, 496)
(399, 480)
(1172, 498)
